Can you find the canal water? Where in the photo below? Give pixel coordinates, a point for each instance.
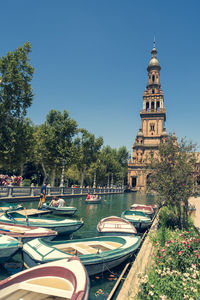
(112, 205)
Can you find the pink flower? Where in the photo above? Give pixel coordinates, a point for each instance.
(180, 252)
(188, 246)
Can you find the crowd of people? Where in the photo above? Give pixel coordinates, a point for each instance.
(6, 180)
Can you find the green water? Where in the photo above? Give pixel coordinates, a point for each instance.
(100, 285)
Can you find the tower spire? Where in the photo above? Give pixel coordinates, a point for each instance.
(154, 42)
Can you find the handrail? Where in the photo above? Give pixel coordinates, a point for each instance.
(17, 192)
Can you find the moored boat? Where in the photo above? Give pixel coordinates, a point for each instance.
(98, 254)
(114, 225)
(26, 233)
(137, 218)
(147, 209)
(62, 226)
(8, 246)
(153, 206)
(93, 199)
(59, 280)
(6, 206)
(63, 210)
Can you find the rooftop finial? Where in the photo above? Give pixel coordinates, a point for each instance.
(154, 42)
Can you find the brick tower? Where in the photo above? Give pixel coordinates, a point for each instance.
(152, 129)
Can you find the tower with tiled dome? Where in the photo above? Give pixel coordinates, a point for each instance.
(152, 131)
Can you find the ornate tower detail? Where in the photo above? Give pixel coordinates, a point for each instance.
(152, 131)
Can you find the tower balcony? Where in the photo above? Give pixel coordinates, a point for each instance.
(150, 111)
(153, 113)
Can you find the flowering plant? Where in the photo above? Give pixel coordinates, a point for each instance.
(176, 268)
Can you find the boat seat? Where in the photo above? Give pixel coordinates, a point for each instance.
(111, 245)
(85, 249)
(80, 248)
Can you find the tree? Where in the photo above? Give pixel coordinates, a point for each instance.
(113, 161)
(171, 172)
(18, 149)
(87, 150)
(15, 95)
(55, 142)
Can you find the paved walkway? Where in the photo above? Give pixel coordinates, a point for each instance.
(196, 213)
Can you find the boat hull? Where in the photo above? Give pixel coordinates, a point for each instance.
(26, 233)
(92, 201)
(8, 247)
(114, 225)
(65, 210)
(66, 226)
(138, 219)
(94, 263)
(63, 279)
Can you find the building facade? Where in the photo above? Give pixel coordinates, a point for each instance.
(152, 131)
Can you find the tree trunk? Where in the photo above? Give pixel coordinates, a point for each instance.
(45, 172)
(179, 215)
(21, 169)
(53, 176)
(82, 177)
(185, 212)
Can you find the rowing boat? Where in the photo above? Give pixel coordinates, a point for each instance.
(115, 226)
(137, 218)
(63, 210)
(59, 280)
(26, 233)
(98, 254)
(62, 226)
(8, 246)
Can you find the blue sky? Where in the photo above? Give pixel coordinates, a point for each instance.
(90, 58)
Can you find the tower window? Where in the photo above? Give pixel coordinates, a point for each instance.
(152, 127)
(147, 106)
(153, 78)
(152, 91)
(158, 105)
(152, 105)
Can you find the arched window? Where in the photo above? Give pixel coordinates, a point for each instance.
(152, 91)
(147, 106)
(158, 105)
(152, 105)
(153, 78)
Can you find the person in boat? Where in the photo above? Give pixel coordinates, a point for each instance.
(60, 202)
(54, 202)
(42, 195)
(88, 197)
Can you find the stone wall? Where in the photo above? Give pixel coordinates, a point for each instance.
(141, 264)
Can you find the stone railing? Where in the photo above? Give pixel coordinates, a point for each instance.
(17, 192)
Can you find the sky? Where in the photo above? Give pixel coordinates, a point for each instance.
(91, 57)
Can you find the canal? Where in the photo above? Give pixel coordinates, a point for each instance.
(115, 204)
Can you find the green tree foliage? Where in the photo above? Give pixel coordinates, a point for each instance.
(112, 161)
(15, 98)
(55, 142)
(87, 150)
(172, 176)
(20, 144)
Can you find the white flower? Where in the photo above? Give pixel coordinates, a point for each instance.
(151, 293)
(163, 297)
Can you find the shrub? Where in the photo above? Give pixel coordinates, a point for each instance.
(175, 273)
(168, 218)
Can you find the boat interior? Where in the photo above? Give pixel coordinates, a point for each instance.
(88, 248)
(38, 288)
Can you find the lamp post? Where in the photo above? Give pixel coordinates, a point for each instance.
(95, 177)
(62, 174)
(108, 184)
(111, 181)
